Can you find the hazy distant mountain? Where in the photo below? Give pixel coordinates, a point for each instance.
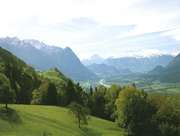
(171, 73)
(134, 64)
(43, 57)
(95, 59)
(105, 71)
(158, 69)
(140, 65)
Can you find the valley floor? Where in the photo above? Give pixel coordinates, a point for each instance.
(35, 120)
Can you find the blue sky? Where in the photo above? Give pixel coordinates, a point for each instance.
(109, 28)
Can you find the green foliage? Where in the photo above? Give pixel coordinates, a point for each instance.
(7, 95)
(80, 113)
(111, 95)
(23, 79)
(167, 116)
(143, 115)
(97, 102)
(45, 94)
(67, 90)
(59, 80)
(135, 112)
(70, 94)
(101, 101)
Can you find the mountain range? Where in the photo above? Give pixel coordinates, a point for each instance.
(95, 59)
(43, 57)
(139, 65)
(125, 65)
(108, 71)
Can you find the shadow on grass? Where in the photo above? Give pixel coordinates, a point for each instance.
(90, 132)
(46, 133)
(9, 115)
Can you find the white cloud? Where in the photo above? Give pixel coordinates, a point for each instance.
(94, 26)
(175, 33)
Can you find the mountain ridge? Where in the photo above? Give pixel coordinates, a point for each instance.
(168, 74)
(44, 57)
(133, 63)
(128, 65)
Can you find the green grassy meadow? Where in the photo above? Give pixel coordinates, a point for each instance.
(35, 120)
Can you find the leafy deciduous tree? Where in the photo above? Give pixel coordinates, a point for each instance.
(135, 112)
(7, 95)
(79, 112)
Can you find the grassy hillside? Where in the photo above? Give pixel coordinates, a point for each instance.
(34, 120)
(55, 76)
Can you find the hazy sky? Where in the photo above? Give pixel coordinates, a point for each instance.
(105, 27)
